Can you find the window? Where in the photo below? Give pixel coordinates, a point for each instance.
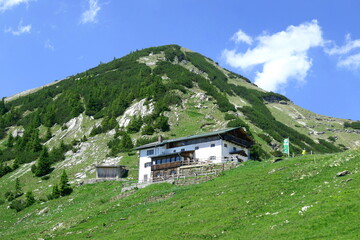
(196, 148)
(183, 149)
(234, 148)
(150, 152)
(177, 158)
(212, 157)
(212, 145)
(173, 159)
(148, 164)
(173, 172)
(158, 161)
(225, 145)
(174, 151)
(168, 160)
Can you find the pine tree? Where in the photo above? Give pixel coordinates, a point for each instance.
(2, 128)
(2, 106)
(10, 142)
(30, 200)
(49, 116)
(64, 186)
(18, 189)
(35, 142)
(162, 123)
(43, 164)
(16, 163)
(126, 143)
(36, 122)
(148, 130)
(48, 134)
(135, 124)
(55, 191)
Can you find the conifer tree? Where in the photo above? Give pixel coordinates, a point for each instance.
(18, 189)
(55, 191)
(30, 200)
(162, 123)
(10, 142)
(2, 128)
(148, 130)
(64, 186)
(2, 106)
(36, 122)
(48, 134)
(16, 163)
(135, 124)
(35, 142)
(43, 164)
(49, 116)
(126, 142)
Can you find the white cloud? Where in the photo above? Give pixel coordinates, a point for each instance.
(20, 30)
(48, 45)
(347, 57)
(349, 45)
(89, 16)
(8, 4)
(240, 36)
(351, 62)
(282, 55)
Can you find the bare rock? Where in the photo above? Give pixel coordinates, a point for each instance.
(343, 173)
(209, 117)
(43, 211)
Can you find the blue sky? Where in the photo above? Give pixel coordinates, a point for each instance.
(307, 50)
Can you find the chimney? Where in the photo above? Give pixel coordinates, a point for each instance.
(160, 139)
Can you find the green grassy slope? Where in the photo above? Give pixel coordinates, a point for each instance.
(297, 198)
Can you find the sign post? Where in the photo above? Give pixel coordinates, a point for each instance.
(287, 146)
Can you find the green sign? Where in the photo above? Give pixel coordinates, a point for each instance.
(286, 146)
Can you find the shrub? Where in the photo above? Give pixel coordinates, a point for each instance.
(148, 130)
(229, 116)
(9, 196)
(237, 123)
(18, 205)
(265, 137)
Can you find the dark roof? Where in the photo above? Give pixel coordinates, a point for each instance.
(156, 144)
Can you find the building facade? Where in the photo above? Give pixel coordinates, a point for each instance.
(163, 159)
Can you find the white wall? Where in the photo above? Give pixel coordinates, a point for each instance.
(205, 151)
(226, 151)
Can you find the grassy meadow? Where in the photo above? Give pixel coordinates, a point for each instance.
(297, 198)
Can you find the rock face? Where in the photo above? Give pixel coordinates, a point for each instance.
(137, 109)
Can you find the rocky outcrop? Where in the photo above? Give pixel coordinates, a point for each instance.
(137, 109)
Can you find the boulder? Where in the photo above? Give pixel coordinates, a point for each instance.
(343, 173)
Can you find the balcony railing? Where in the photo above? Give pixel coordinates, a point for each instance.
(165, 166)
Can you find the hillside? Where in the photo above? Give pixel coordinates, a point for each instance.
(98, 116)
(298, 198)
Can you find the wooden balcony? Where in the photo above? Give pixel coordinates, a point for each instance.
(165, 166)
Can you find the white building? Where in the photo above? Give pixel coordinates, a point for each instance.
(162, 159)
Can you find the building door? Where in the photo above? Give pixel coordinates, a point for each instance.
(145, 177)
